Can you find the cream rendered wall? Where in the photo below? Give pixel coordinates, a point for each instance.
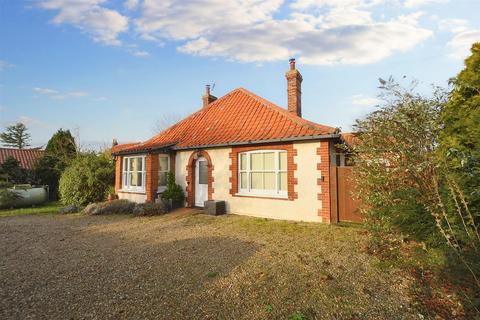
(305, 208)
(135, 197)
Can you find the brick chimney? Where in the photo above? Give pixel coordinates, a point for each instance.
(294, 89)
(207, 97)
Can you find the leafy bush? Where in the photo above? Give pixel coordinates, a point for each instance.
(112, 207)
(87, 180)
(8, 198)
(174, 191)
(149, 209)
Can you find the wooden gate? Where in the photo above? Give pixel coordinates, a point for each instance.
(344, 206)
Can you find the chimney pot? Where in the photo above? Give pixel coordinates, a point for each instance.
(292, 63)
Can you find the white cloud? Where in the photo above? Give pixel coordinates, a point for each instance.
(140, 53)
(31, 122)
(45, 90)
(418, 3)
(322, 32)
(131, 4)
(453, 25)
(365, 101)
(5, 65)
(461, 43)
(57, 95)
(102, 24)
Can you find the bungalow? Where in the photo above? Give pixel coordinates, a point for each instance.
(261, 159)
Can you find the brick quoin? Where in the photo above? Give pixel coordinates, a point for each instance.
(324, 167)
(291, 167)
(118, 173)
(191, 176)
(151, 176)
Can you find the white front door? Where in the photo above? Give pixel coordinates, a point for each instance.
(201, 181)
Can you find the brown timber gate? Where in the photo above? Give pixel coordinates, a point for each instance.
(343, 205)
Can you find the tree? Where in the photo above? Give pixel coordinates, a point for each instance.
(62, 146)
(460, 138)
(16, 136)
(394, 161)
(59, 153)
(15, 173)
(87, 179)
(47, 173)
(406, 187)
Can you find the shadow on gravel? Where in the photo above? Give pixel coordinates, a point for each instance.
(54, 271)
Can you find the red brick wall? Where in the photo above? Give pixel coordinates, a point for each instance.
(118, 173)
(151, 176)
(324, 167)
(191, 176)
(291, 166)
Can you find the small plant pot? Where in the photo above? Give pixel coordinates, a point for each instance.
(172, 204)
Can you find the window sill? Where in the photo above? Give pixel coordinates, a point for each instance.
(262, 196)
(161, 190)
(132, 191)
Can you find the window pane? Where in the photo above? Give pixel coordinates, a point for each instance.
(124, 179)
(283, 181)
(162, 179)
(163, 163)
(243, 180)
(243, 161)
(202, 172)
(139, 164)
(257, 180)
(139, 179)
(256, 161)
(269, 180)
(133, 164)
(269, 161)
(283, 161)
(133, 179)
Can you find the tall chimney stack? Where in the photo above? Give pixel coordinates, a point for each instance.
(207, 97)
(294, 89)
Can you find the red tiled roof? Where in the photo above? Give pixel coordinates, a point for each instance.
(238, 117)
(349, 138)
(26, 157)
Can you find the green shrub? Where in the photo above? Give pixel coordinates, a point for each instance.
(87, 180)
(112, 207)
(174, 191)
(149, 209)
(8, 198)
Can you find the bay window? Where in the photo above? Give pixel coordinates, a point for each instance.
(263, 173)
(163, 170)
(133, 175)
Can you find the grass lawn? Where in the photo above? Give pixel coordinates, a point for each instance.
(47, 208)
(186, 265)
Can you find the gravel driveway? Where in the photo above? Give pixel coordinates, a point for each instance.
(190, 266)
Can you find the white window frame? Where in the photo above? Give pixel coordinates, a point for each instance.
(163, 188)
(277, 193)
(126, 175)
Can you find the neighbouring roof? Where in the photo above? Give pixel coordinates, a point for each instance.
(349, 138)
(26, 157)
(239, 117)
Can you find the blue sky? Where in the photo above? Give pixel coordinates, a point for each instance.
(116, 69)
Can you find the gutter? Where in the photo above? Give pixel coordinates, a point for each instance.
(230, 144)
